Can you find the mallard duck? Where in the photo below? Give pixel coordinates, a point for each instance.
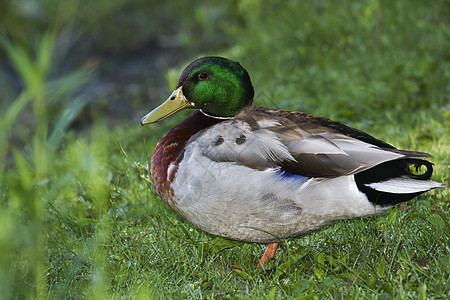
(261, 175)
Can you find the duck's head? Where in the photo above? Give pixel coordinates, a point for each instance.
(220, 87)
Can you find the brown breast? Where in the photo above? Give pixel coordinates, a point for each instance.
(170, 149)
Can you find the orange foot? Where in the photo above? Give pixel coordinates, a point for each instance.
(269, 253)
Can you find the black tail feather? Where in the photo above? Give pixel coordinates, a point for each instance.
(389, 170)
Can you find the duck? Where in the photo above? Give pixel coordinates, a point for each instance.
(262, 175)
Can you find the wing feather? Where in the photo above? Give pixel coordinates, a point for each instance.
(297, 143)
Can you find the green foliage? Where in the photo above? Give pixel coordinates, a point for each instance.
(79, 215)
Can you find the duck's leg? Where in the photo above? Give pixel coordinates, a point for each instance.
(269, 253)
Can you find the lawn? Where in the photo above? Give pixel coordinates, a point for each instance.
(79, 216)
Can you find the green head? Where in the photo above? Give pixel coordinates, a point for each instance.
(216, 85)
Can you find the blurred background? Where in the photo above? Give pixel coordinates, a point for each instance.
(115, 57)
(77, 76)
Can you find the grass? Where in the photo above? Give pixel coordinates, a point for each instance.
(79, 216)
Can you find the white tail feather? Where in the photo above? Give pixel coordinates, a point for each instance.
(404, 185)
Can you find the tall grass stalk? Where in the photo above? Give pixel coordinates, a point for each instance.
(27, 185)
(27, 176)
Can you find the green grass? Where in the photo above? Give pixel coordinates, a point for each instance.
(79, 217)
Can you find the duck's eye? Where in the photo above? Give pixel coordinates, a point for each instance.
(203, 76)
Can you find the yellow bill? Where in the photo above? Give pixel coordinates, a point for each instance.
(176, 102)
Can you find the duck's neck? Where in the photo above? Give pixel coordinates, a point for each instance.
(170, 151)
